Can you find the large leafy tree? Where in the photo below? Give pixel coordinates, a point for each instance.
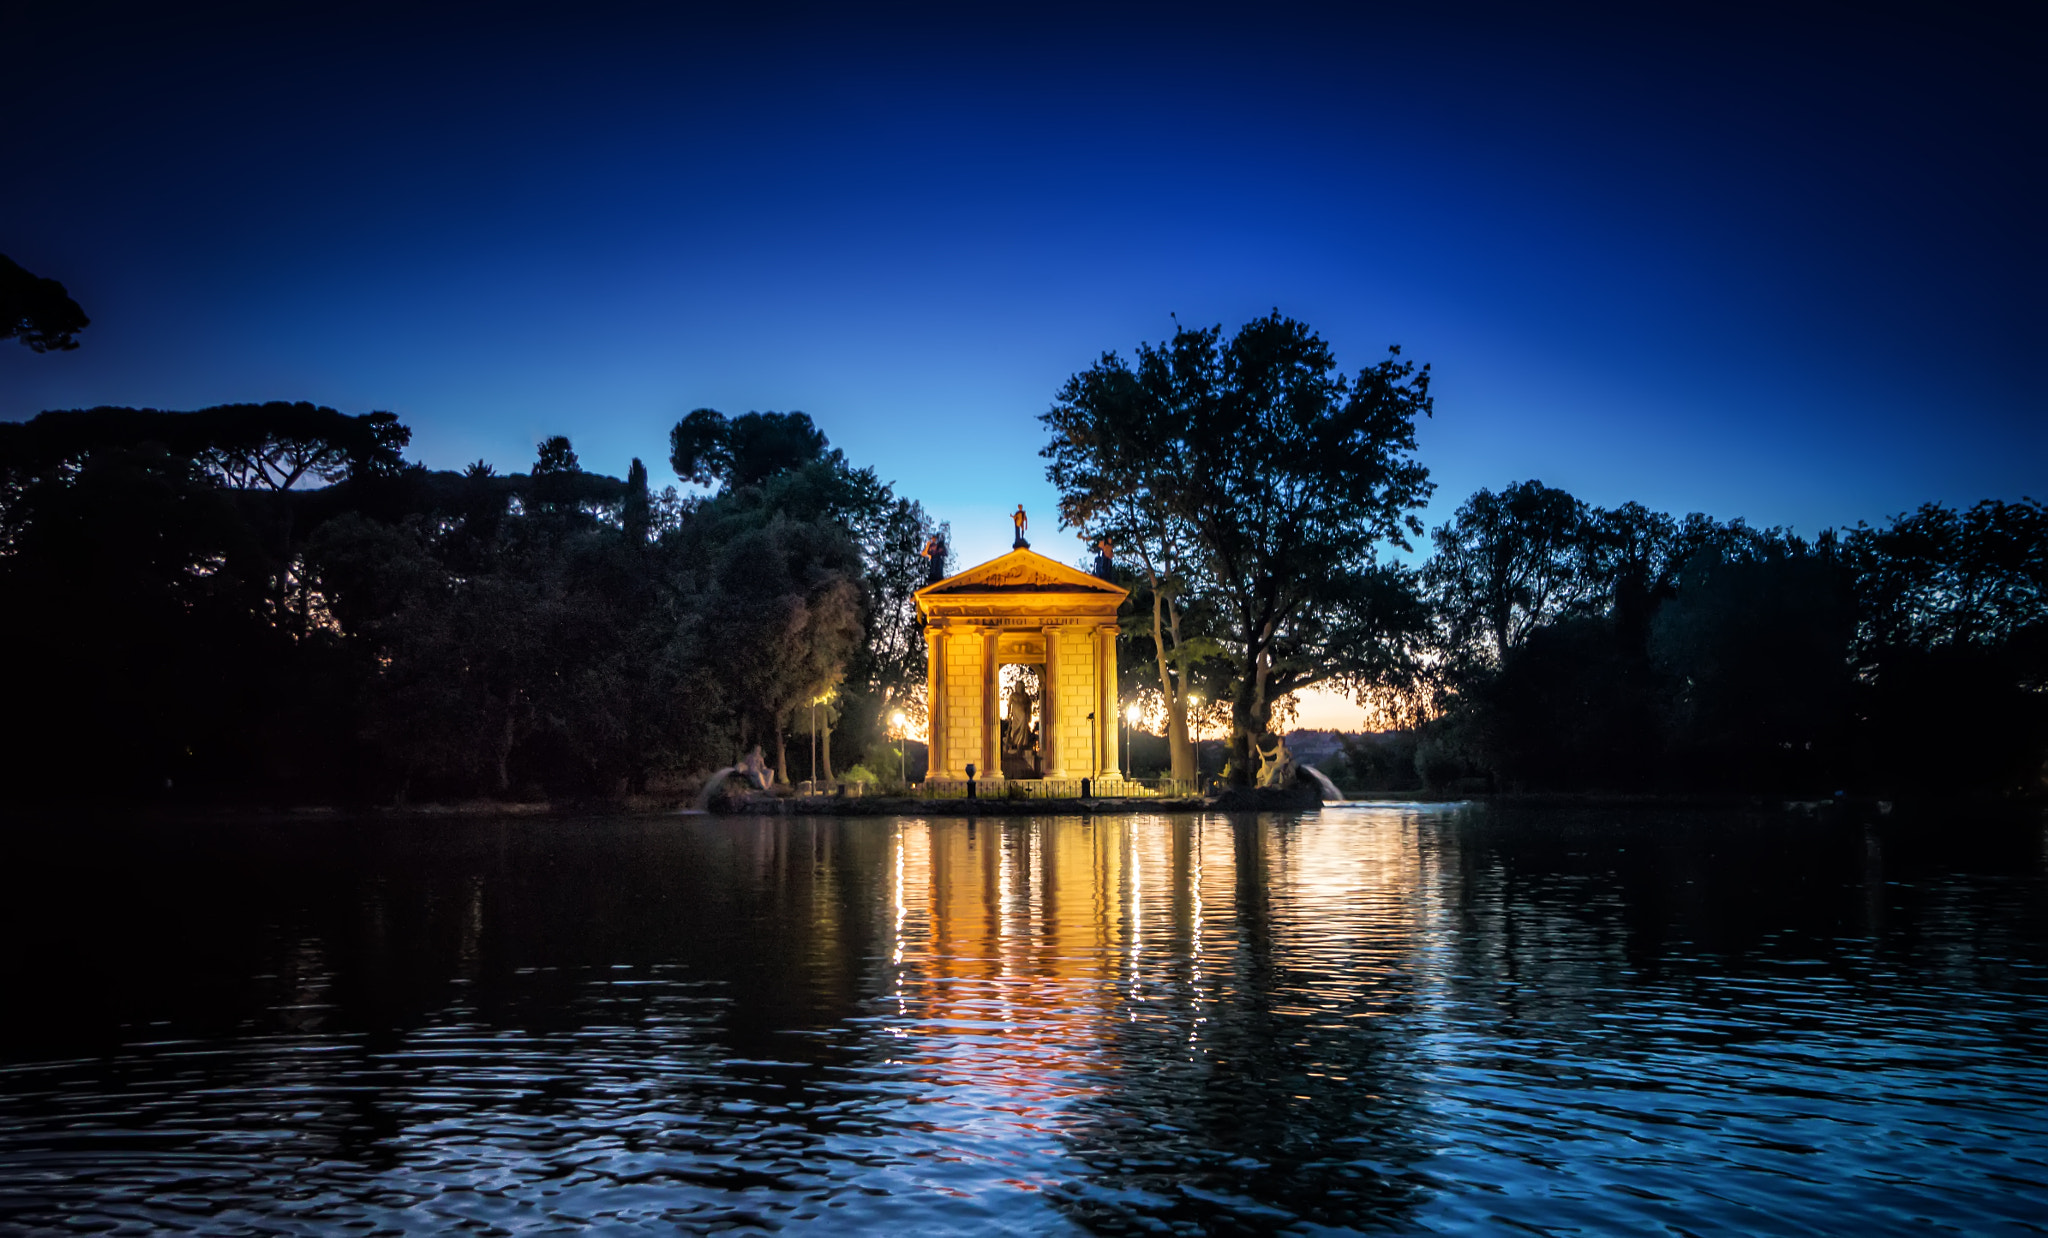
(1118, 453)
(770, 467)
(1953, 644)
(1633, 555)
(1281, 477)
(781, 614)
(1943, 577)
(707, 447)
(1508, 563)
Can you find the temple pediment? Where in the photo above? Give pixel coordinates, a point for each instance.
(1020, 571)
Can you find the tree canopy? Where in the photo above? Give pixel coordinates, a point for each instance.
(709, 448)
(267, 599)
(274, 446)
(779, 466)
(1278, 477)
(37, 311)
(1507, 563)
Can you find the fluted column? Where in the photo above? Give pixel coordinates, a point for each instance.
(991, 720)
(935, 711)
(1052, 751)
(1105, 710)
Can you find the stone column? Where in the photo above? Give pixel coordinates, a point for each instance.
(1105, 711)
(1051, 752)
(991, 719)
(935, 711)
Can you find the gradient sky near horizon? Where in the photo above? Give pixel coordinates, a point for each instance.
(1782, 263)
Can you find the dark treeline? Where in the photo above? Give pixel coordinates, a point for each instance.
(1255, 499)
(1577, 648)
(268, 601)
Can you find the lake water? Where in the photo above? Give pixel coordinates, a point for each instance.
(1397, 1018)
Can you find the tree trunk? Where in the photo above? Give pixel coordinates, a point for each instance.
(1239, 764)
(1251, 714)
(825, 747)
(1179, 746)
(1180, 751)
(1249, 723)
(781, 753)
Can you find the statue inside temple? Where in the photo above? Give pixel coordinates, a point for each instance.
(1020, 738)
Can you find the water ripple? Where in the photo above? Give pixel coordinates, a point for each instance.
(1382, 1017)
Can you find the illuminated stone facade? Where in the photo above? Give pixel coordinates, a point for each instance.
(1022, 608)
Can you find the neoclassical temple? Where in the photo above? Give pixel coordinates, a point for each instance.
(1022, 609)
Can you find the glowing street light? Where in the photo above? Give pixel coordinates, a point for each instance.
(1195, 705)
(816, 701)
(902, 765)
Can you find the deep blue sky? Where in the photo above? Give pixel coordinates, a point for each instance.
(1784, 267)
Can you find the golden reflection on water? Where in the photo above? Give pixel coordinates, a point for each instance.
(1019, 947)
(1376, 1017)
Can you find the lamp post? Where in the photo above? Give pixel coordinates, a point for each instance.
(1195, 707)
(902, 763)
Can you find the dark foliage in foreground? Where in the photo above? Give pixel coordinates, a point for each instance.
(266, 601)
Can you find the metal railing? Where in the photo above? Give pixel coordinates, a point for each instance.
(1008, 788)
(1056, 788)
(826, 786)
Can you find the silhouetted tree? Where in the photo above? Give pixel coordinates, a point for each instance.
(1286, 476)
(37, 311)
(268, 447)
(556, 456)
(708, 448)
(636, 514)
(1119, 454)
(1632, 556)
(1953, 645)
(1505, 564)
(275, 599)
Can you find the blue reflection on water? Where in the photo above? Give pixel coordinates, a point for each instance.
(1378, 1017)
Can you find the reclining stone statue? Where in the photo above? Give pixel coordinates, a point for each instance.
(753, 767)
(1277, 768)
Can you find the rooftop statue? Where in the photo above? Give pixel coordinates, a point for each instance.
(1022, 522)
(1105, 560)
